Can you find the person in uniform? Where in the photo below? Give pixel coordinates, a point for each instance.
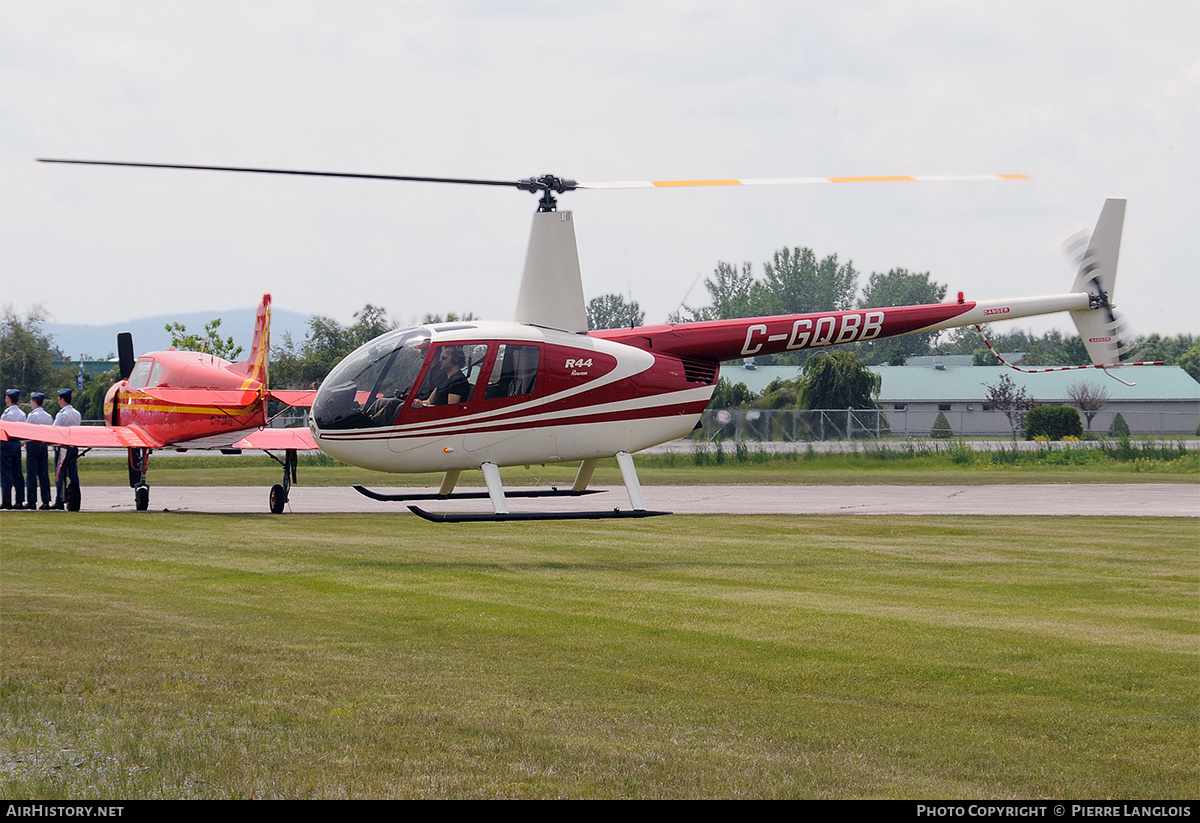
(37, 464)
(12, 479)
(66, 458)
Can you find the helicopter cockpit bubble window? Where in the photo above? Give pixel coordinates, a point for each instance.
(369, 387)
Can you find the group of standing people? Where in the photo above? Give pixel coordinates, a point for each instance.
(25, 484)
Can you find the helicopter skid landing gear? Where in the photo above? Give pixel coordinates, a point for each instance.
(513, 516)
(495, 492)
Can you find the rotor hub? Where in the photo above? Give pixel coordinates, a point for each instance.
(548, 185)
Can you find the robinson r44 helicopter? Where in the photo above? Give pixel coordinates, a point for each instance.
(452, 397)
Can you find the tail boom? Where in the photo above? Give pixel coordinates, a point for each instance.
(749, 337)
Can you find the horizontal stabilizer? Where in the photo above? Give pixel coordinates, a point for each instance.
(302, 398)
(277, 439)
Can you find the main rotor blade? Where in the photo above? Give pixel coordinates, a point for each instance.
(794, 181)
(550, 183)
(508, 183)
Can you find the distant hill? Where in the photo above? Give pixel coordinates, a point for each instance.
(149, 334)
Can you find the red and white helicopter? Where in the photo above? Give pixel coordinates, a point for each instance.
(543, 389)
(186, 400)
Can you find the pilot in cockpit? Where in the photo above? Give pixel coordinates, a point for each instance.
(446, 383)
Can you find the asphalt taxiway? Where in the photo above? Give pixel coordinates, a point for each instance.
(1108, 500)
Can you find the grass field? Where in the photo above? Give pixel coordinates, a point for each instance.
(176, 655)
(1137, 462)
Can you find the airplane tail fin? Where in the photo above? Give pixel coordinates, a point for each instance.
(1101, 327)
(255, 367)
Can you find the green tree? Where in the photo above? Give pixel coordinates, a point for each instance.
(90, 400)
(306, 363)
(1088, 398)
(837, 380)
(612, 311)
(26, 352)
(728, 395)
(1050, 349)
(732, 292)
(1167, 349)
(1118, 427)
(1053, 422)
(1011, 401)
(796, 283)
(429, 319)
(211, 341)
(941, 428)
(1189, 361)
(779, 394)
(900, 287)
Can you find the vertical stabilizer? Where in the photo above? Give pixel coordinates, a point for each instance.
(552, 288)
(1100, 327)
(255, 366)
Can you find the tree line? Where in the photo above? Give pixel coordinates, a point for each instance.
(794, 281)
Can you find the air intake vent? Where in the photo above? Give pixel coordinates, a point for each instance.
(700, 371)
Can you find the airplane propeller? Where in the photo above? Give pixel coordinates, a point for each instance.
(125, 354)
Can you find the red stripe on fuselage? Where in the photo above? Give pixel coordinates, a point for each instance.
(534, 419)
(748, 337)
(174, 424)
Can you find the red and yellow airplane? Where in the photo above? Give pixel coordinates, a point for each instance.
(187, 400)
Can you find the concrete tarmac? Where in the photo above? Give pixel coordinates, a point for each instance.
(1115, 500)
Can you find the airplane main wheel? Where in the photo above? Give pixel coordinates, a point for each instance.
(141, 498)
(278, 499)
(74, 498)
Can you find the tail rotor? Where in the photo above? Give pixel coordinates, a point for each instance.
(1104, 332)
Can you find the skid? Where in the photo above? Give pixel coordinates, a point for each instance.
(374, 495)
(512, 516)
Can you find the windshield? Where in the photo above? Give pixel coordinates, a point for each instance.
(369, 387)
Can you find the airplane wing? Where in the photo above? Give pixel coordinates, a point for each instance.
(275, 439)
(104, 437)
(126, 437)
(299, 398)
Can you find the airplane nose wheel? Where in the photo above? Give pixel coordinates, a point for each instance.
(139, 462)
(279, 492)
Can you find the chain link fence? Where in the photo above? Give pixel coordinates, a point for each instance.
(804, 425)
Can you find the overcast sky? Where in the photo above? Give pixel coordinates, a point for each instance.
(1091, 99)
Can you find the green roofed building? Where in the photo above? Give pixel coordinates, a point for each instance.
(1164, 400)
